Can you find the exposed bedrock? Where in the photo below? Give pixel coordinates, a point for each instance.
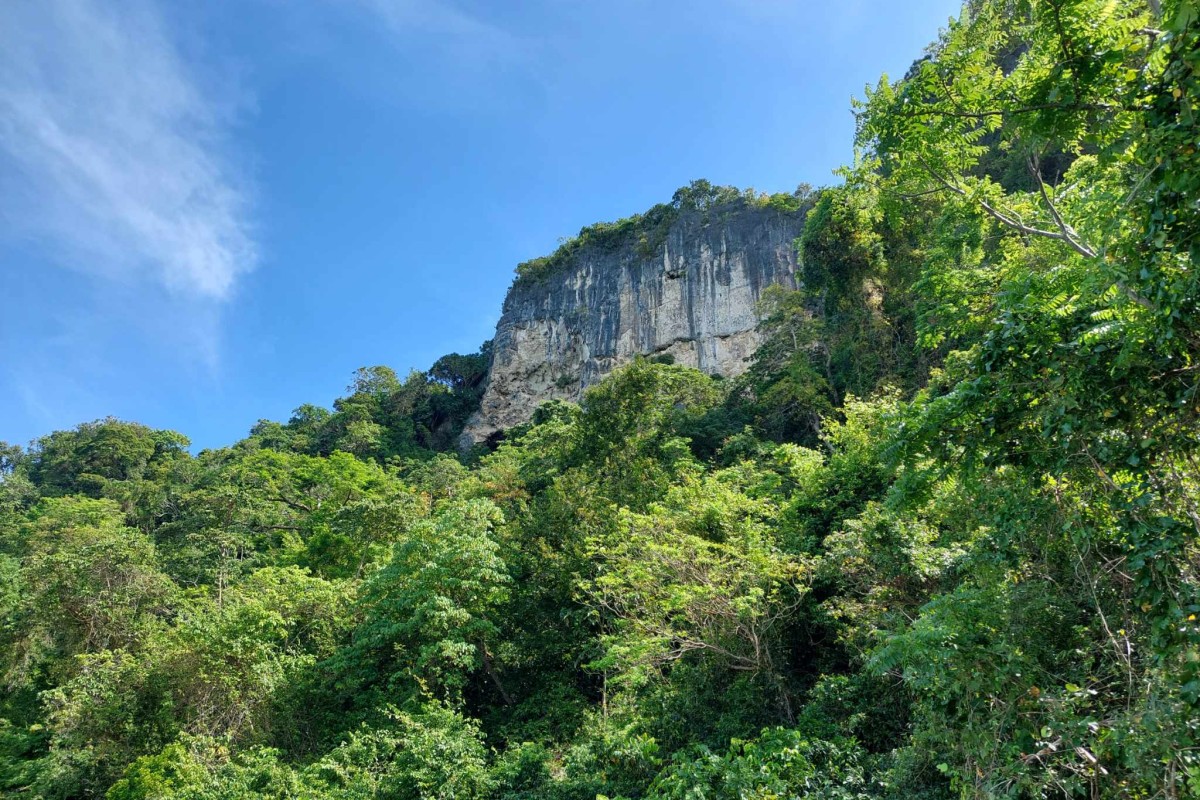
(694, 296)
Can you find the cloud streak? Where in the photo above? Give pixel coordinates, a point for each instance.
(113, 155)
(466, 35)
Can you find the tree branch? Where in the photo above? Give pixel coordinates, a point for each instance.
(1001, 112)
(486, 658)
(1065, 233)
(1006, 219)
(1069, 234)
(292, 504)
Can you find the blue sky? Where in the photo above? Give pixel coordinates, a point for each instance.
(213, 212)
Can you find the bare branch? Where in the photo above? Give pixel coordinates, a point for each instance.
(1007, 219)
(1065, 232)
(1068, 233)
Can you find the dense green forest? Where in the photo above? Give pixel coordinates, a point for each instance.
(941, 540)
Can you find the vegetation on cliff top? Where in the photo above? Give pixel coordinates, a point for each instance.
(648, 231)
(941, 541)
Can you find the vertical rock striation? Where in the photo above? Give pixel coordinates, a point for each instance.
(692, 295)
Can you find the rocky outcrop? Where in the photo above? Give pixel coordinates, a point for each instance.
(693, 295)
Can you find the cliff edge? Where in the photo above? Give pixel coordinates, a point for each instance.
(682, 280)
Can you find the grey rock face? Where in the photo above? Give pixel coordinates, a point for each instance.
(695, 298)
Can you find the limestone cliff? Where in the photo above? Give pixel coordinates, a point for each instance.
(686, 286)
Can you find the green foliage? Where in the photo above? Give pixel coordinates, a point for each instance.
(1064, 414)
(383, 417)
(432, 754)
(940, 540)
(88, 584)
(788, 384)
(429, 611)
(779, 763)
(85, 460)
(850, 329)
(631, 424)
(700, 574)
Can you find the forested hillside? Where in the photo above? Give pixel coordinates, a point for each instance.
(941, 540)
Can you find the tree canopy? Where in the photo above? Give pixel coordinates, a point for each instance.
(942, 539)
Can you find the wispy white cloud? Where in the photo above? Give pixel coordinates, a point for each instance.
(113, 154)
(456, 30)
